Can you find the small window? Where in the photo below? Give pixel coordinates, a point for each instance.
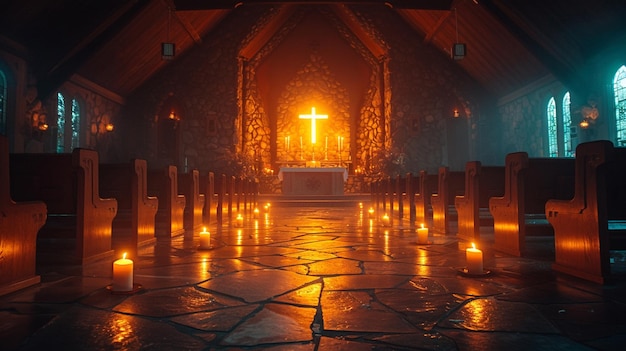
(68, 126)
(569, 131)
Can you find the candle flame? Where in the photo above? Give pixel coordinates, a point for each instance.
(422, 225)
(124, 256)
(204, 229)
(473, 246)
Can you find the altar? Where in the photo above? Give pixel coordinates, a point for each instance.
(313, 180)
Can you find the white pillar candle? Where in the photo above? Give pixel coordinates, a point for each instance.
(422, 235)
(205, 239)
(474, 258)
(239, 221)
(385, 220)
(122, 274)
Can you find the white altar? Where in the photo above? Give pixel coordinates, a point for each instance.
(313, 180)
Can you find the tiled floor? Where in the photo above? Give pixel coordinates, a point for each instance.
(317, 278)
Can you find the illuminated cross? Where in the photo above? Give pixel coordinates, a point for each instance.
(313, 117)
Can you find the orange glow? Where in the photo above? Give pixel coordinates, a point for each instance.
(313, 117)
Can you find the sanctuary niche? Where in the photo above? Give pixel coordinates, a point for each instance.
(313, 65)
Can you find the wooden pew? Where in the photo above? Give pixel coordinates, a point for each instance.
(481, 183)
(449, 185)
(207, 187)
(79, 223)
(411, 186)
(19, 224)
(427, 186)
(134, 224)
(528, 184)
(189, 185)
(593, 221)
(163, 184)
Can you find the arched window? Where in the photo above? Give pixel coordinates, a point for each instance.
(553, 147)
(619, 89)
(60, 123)
(3, 103)
(68, 127)
(75, 124)
(569, 131)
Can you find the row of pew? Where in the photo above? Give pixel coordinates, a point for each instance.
(58, 209)
(579, 201)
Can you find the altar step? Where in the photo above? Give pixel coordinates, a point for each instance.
(315, 200)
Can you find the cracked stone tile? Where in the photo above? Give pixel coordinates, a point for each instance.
(262, 328)
(257, 285)
(221, 320)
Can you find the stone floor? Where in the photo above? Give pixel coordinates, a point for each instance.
(317, 278)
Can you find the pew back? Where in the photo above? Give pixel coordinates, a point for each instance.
(19, 225)
(78, 218)
(591, 224)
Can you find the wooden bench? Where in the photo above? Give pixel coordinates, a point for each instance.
(163, 184)
(528, 184)
(593, 222)
(189, 185)
(449, 185)
(427, 186)
(411, 187)
(19, 224)
(481, 183)
(79, 224)
(207, 187)
(134, 224)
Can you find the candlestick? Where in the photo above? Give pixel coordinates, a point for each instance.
(474, 258)
(422, 235)
(205, 239)
(122, 274)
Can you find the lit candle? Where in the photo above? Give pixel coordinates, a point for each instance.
(422, 235)
(256, 213)
(123, 274)
(474, 259)
(239, 220)
(385, 219)
(205, 239)
(371, 212)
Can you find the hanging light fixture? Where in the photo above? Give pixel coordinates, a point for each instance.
(458, 49)
(168, 49)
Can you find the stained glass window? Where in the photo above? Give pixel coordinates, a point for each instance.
(553, 149)
(619, 89)
(60, 123)
(569, 131)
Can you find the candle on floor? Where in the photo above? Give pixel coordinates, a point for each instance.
(422, 235)
(205, 239)
(385, 220)
(122, 274)
(255, 213)
(239, 220)
(474, 258)
(371, 212)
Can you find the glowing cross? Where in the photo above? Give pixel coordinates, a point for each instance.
(313, 117)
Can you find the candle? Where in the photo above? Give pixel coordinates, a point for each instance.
(239, 220)
(205, 239)
(371, 212)
(474, 259)
(256, 213)
(422, 235)
(123, 274)
(385, 219)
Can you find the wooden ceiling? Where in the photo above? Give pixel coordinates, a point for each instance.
(116, 44)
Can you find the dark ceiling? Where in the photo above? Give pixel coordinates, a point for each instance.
(116, 44)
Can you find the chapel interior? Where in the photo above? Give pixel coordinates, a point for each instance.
(284, 156)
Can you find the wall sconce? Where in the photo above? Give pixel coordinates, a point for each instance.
(101, 127)
(109, 127)
(590, 114)
(42, 126)
(456, 113)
